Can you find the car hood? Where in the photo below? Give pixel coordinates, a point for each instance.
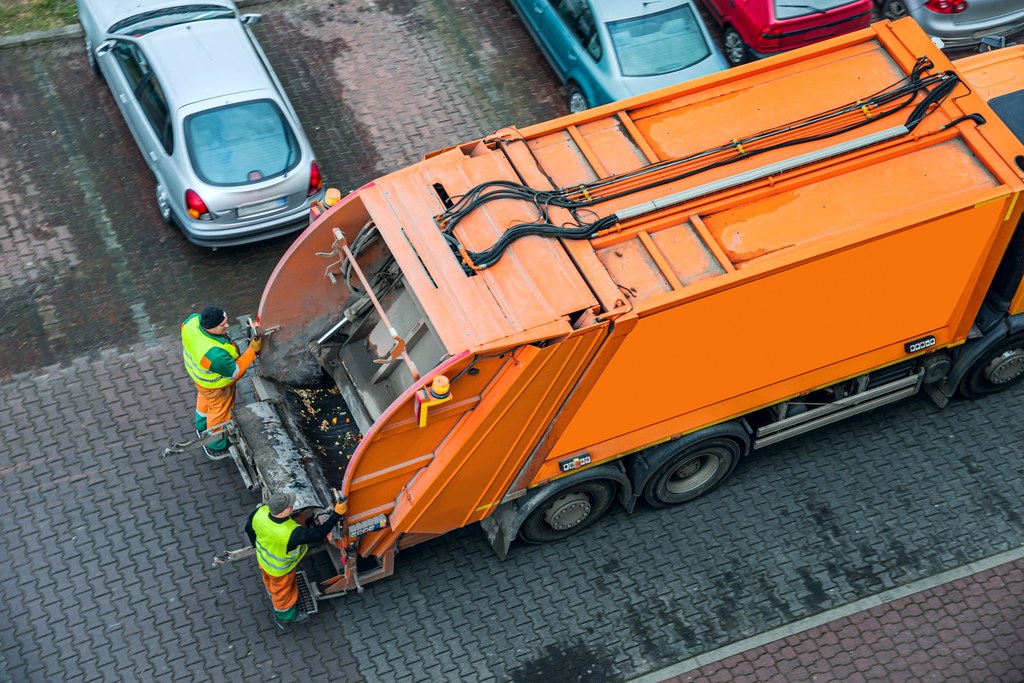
(109, 12)
(633, 85)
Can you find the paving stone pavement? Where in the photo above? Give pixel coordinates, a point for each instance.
(107, 575)
(961, 625)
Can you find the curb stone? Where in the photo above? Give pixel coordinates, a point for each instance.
(75, 31)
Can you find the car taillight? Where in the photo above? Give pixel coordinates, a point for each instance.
(196, 206)
(316, 181)
(946, 6)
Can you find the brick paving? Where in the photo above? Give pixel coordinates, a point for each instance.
(106, 574)
(964, 629)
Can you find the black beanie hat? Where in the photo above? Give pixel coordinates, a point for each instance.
(211, 317)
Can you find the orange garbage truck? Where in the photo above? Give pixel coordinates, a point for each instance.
(619, 305)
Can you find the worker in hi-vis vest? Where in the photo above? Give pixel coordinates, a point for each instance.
(280, 544)
(215, 365)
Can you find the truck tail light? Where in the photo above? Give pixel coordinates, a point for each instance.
(316, 181)
(196, 206)
(946, 6)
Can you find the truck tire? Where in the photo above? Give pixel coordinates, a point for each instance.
(567, 511)
(997, 370)
(691, 471)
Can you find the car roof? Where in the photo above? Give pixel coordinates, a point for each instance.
(109, 12)
(614, 10)
(203, 60)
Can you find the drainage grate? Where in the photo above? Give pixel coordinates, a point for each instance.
(307, 603)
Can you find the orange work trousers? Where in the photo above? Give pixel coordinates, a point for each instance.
(214, 407)
(284, 594)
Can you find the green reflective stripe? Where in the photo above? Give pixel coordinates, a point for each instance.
(195, 344)
(272, 543)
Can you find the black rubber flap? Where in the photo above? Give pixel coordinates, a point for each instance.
(1010, 108)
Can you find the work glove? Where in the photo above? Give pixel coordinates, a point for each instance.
(256, 344)
(341, 507)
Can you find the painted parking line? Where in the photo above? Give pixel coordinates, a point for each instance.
(831, 615)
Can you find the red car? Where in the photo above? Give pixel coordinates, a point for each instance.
(758, 28)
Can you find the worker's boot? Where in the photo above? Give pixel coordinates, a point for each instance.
(213, 453)
(300, 617)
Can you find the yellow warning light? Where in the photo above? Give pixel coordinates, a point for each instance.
(438, 392)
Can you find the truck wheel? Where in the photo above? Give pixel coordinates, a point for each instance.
(1001, 368)
(735, 48)
(693, 471)
(577, 100)
(567, 511)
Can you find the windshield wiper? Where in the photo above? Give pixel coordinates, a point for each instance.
(221, 12)
(810, 7)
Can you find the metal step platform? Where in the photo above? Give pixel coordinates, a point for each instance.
(307, 603)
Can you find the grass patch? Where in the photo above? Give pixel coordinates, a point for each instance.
(21, 16)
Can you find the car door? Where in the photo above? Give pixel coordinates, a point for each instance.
(140, 98)
(581, 50)
(549, 31)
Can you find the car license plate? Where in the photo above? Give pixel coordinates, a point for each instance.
(262, 207)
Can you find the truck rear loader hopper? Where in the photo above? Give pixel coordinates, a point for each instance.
(622, 303)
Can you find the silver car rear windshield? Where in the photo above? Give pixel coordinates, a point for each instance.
(147, 22)
(240, 144)
(658, 43)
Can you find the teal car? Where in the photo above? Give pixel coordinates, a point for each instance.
(607, 50)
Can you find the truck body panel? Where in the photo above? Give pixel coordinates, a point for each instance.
(647, 269)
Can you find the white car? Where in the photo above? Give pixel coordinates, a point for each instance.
(231, 162)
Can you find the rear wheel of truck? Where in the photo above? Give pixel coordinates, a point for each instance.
(692, 471)
(1000, 368)
(567, 511)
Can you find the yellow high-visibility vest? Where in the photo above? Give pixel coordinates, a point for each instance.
(195, 344)
(272, 543)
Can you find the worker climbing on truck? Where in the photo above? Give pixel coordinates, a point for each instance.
(281, 543)
(213, 361)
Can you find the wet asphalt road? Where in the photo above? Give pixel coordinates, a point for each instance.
(93, 287)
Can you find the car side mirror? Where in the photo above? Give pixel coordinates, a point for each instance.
(104, 47)
(250, 19)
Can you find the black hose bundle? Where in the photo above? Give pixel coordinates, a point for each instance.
(577, 199)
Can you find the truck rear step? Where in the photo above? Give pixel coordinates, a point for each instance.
(307, 603)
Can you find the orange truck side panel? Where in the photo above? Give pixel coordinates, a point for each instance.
(769, 338)
(992, 74)
(466, 458)
(767, 280)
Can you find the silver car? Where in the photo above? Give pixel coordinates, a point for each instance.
(959, 23)
(231, 162)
